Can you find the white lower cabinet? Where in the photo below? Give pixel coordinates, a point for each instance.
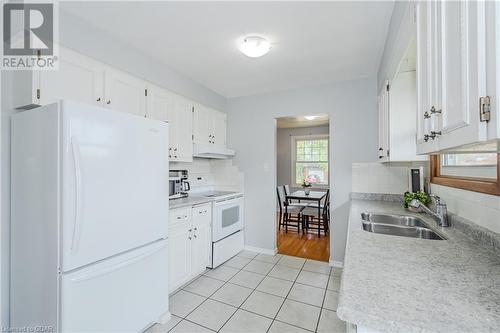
(189, 243)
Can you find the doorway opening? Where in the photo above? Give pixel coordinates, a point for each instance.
(303, 186)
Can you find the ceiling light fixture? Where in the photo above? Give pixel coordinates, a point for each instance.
(255, 46)
(310, 117)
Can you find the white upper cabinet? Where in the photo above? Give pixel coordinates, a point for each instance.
(201, 124)
(451, 59)
(209, 126)
(78, 78)
(462, 74)
(383, 124)
(160, 103)
(124, 92)
(218, 128)
(397, 112)
(83, 79)
(177, 110)
(183, 129)
(426, 77)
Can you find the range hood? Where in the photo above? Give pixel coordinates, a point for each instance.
(211, 151)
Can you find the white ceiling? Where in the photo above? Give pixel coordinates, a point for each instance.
(314, 43)
(301, 121)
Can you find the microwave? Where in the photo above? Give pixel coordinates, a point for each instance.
(178, 184)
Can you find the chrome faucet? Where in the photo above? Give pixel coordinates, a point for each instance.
(441, 213)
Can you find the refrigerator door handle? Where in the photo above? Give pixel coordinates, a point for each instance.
(75, 146)
(106, 270)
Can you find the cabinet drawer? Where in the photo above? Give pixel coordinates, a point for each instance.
(180, 215)
(202, 213)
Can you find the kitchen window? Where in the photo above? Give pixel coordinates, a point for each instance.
(475, 169)
(310, 160)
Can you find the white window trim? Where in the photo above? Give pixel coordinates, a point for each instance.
(294, 139)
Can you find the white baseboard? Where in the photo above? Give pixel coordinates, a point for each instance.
(261, 250)
(335, 263)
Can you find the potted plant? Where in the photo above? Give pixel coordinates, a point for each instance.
(306, 183)
(420, 196)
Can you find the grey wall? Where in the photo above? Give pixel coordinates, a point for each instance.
(352, 107)
(401, 30)
(284, 149)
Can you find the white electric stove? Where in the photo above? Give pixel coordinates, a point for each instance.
(227, 225)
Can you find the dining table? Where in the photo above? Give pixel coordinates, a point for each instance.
(301, 195)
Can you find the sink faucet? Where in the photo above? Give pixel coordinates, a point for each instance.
(441, 214)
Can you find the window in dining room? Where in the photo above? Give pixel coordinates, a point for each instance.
(310, 160)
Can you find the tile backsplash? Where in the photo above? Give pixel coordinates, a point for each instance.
(389, 178)
(211, 174)
(482, 209)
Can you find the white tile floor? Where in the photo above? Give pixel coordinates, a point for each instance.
(259, 293)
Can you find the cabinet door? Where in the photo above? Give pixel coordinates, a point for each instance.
(383, 124)
(426, 77)
(461, 54)
(201, 124)
(184, 129)
(160, 106)
(78, 78)
(218, 128)
(179, 255)
(124, 92)
(202, 217)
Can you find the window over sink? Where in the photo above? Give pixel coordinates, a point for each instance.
(310, 159)
(474, 168)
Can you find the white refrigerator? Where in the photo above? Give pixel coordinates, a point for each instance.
(89, 219)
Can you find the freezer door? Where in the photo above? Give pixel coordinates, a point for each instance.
(114, 183)
(126, 293)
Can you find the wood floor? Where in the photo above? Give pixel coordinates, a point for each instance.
(305, 246)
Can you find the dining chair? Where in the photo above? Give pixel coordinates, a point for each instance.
(287, 192)
(311, 220)
(291, 212)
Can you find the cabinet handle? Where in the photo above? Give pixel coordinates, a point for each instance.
(435, 133)
(190, 230)
(169, 156)
(175, 149)
(426, 115)
(179, 217)
(169, 148)
(380, 149)
(426, 137)
(98, 99)
(195, 228)
(189, 237)
(175, 156)
(433, 110)
(195, 236)
(108, 102)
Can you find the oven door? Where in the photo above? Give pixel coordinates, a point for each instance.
(228, 217)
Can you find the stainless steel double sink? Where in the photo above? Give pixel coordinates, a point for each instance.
(399, 225)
